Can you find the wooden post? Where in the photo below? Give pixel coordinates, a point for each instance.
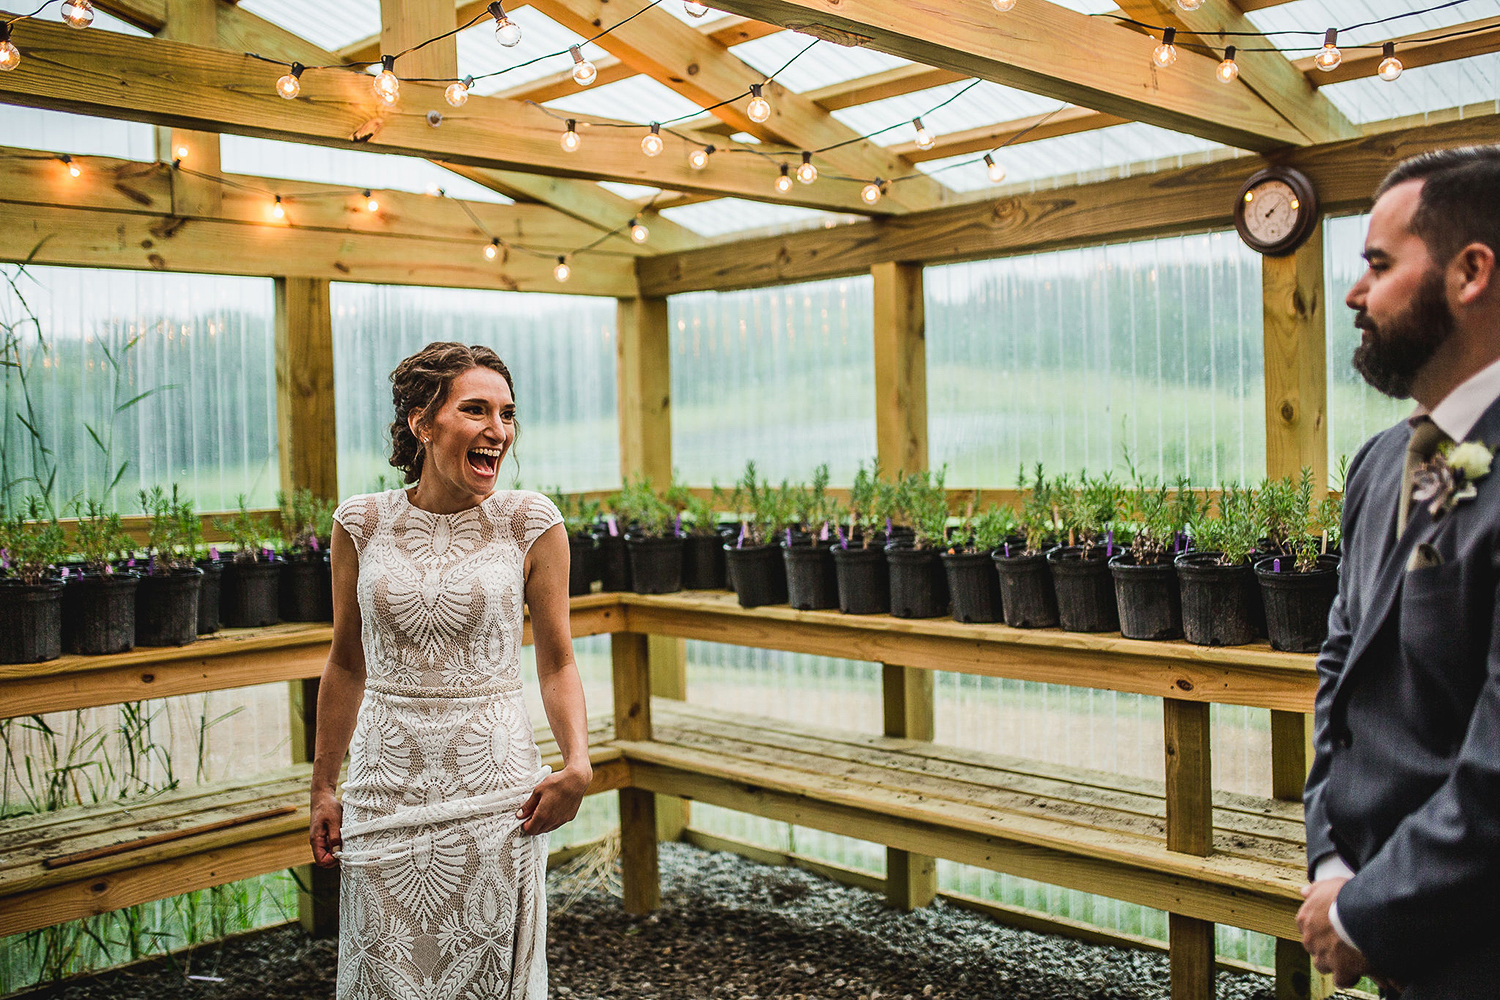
(1296, 367)
(638, 855)
(197, 23)
(910, 879)
(1190, 823)
(900, 368)
(309, 460)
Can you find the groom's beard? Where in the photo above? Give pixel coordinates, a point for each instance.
(1392, 353)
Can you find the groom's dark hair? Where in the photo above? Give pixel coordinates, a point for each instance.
(1460, 199)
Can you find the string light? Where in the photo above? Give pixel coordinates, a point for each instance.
(784, 181)
(72, 167)
(278, 211)
(371, 205)
(638, 232)
(1390, 66)
(570, 140)
(651, 141)
(1003, 5)
(924, 137)
(10, 56)
(492, 249)
(507, 32)
(584, 72)
(807, 173)
(698, 158)
(1165, 54)
(290, 85)
(995, 170)
(1329, 56)
(1189, 4)
(78, 13)
(759, 109)
(1228, 70)
(457, 94)
(387, 87)
(872, 191)
(182, 151)
(562, 272)
(694, 9)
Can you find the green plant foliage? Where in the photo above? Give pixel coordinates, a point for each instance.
(642, 511)
(1329, 521)
(173, 530)
(809, 507)
(865, 517)
(578, 513)
(33, 541)
(1038, 510)
(1234, 531)
(924, 501)
(1088, 510)
(101, 537)
(989, 530)
(247, 532)
(306, 523)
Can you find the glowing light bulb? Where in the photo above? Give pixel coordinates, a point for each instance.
(807, 173)
(1228, 70)
(290, 85)
(78, 13)
(387, 87)
(924, 137)
(1189, 4)
(638, 232)
(872, 191)
(651, 141)
(1165, 54)
(73, 170)
(698, 158)
(995, 170)
(278, 211)
(1390, 66)
(759, 109)
(584, 72)
(694, 9)
(492, 249)
(570, 140)
(10, 56)
(562, 272)
(784, 182)
(457, 94)
(507, 32)
(371, 204)
(1003, 5)
(181, 151)
(1329, 56)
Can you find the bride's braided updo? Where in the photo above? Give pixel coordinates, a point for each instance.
(421, 382)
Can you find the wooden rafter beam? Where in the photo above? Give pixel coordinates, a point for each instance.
(1413, 51)
(168, 83)
(1068, 121)
(695, 66)
(1050, 50)
(148, 15)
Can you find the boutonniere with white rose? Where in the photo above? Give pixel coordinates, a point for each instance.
(1450, 477)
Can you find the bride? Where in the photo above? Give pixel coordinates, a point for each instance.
(441, 836)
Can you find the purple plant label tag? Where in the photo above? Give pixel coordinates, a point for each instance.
(213, 553)
(1007, 550)
(65, 572)
(677, 527)
(270, 556)
(314, 543)
(823, 535)
(130, 563)
(1275, 565)
(744, 530)
(614, 529)
(888, 527)
(4, 559)
(151, 566)
(843, 540)
(109, 570)
(789, 538)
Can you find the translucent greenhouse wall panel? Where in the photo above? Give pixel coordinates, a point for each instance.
(560, 350)
(174, 373)
(1356, 412)
(781, 375)
(1068, 357)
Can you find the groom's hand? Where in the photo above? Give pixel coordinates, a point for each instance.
(1330, 954)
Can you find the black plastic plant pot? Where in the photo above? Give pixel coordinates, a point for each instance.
(250, 594)
(728, 536)
(811, 579)
(759, 574)
(98, 614)
(208, 595)
(1149, 600)
(581, 569)
(655, 564)
(325, 588)
(30, 621)
(1026, 592)
(919, 586)
(166, 608)
(864, 579)
(974, 587)
(1297, 604)
(298, 594)
(1217, 601)
(1085, 590)
(703, 562)
(613, 562)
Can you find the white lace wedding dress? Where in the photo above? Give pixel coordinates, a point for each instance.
(441, 894)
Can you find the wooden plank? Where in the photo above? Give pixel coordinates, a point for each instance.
(1191, 943)
(195, 22)
(1032, 128)
(907, 702)
(900, 368)
(668, 657)
(304, 388)
(148, 15)
(168, 83)
(1190, 199)
(896, 82)
(406, 23)
(643, 376)
(640, 874)
(1296, 361)
(1189, 777)
(1046, 49)
(1289, 759)
(1413, 50)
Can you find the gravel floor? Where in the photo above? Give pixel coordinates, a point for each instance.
(728, 928)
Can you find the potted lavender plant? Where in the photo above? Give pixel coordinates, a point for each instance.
(251, 582)
(811, 579)
(166, 602)
(1080, 569)
(31, 542)
(653, 541)
(305, 590)
(973, 583)
(1146, 591)
(1216, 580)
(578, 516)
(754, 558)
(859, 560)
(702, 548)
(1026, 592)
(919, 584)
(98, 612)
(1299, 588)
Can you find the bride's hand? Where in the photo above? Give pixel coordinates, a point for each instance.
(555, 800)
(323, 832)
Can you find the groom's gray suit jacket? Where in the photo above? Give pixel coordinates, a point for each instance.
(1405, 782)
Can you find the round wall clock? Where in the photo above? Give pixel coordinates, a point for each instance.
(1276, 211)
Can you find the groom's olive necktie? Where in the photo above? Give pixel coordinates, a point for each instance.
(1425, 438)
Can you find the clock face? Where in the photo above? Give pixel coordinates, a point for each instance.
(1272, 211)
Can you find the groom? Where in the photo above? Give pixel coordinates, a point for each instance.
(1403, 799)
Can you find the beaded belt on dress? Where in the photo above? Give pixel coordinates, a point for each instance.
(423, 691)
